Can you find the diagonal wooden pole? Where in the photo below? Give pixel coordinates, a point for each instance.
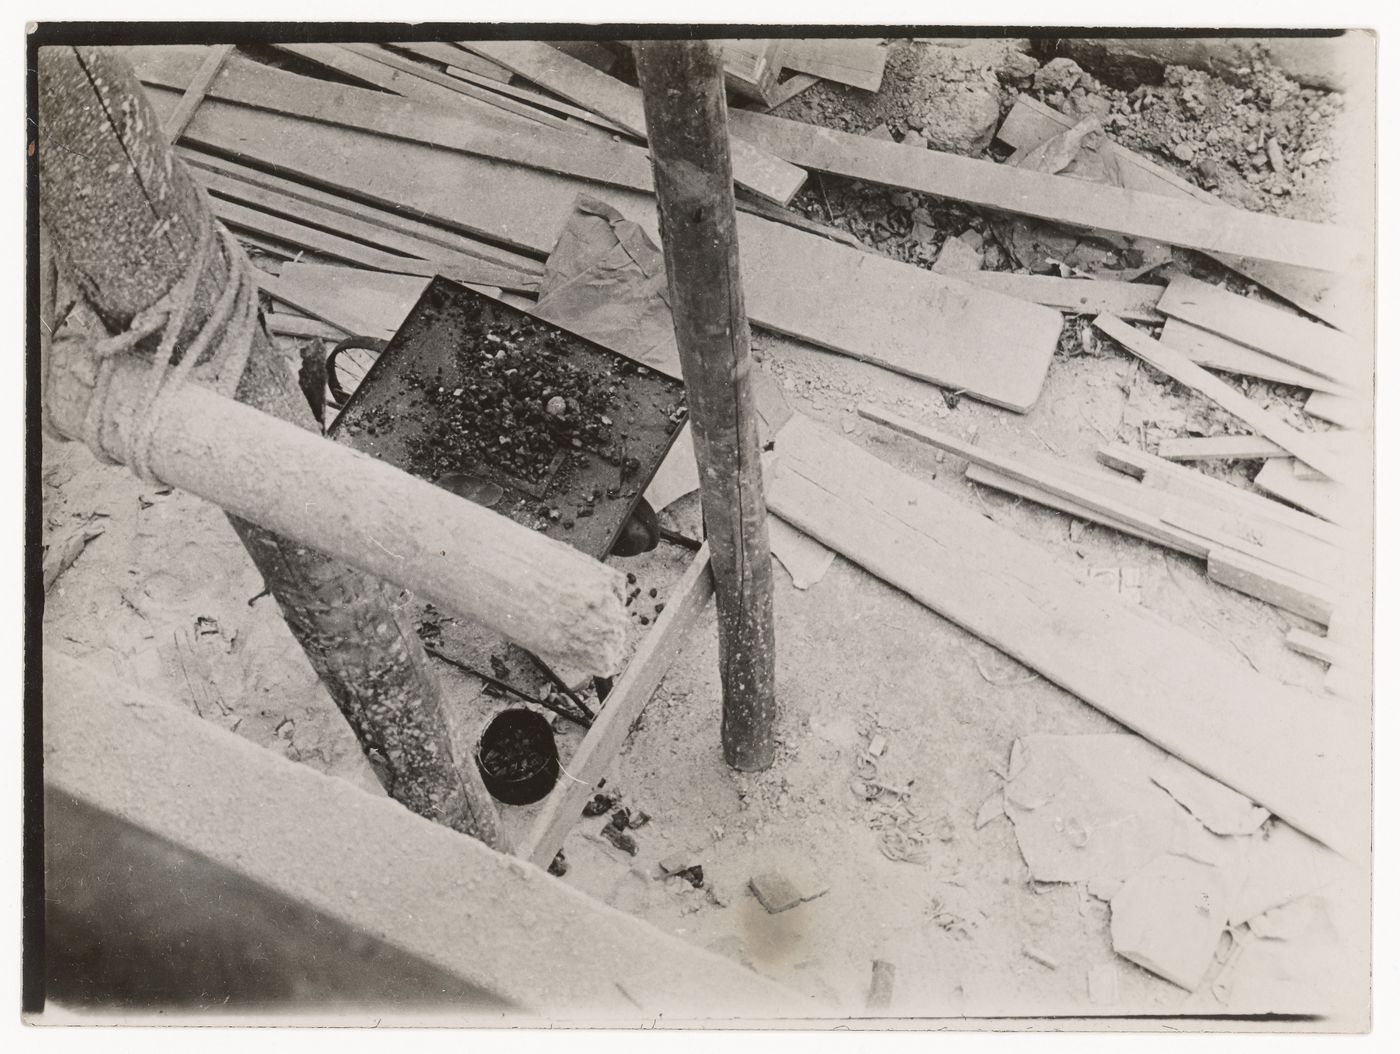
(683, 94)
(125, 219)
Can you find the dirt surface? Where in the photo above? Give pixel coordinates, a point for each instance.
(166, 597)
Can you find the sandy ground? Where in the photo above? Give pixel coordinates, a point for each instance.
(165, 597)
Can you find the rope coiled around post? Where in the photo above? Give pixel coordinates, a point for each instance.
(232, 322)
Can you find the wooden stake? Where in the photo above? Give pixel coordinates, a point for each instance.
(683, 94)
(125, 218)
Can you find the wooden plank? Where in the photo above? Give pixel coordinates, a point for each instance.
(791, 88)
(629, 696)
(1136, 301)
(995, 347)
(1340, 300)
(1184, 371)
(428, 233)
(752, 66)
(1267, 583)
(176, 123)
(536, 99)
(1159, 473)
(859, 63)
(595, 53)
(1289, 338)
(1214, 352)
(377, 74)
(857, 303)
(289, 325)
(1249, 448)
(1276, 744)
(1272, 585)
(1112, 501)
(1293, 552)
(488, 135)
(990, 477)
(1313, 646)
(1209, 448)
(452, 55)
(376, 53)
(1063, 200)
(337, 248)
(1323, 498)
(366, 303)
(754, 169)
(462, 267)
(1339, 408)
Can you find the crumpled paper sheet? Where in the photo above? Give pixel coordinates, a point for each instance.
(606, 280)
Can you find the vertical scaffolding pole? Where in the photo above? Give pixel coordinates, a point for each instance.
(687, 127)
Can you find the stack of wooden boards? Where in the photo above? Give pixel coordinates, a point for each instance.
(499, 189)
(1281, 746)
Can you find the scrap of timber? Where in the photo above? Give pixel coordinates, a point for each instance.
(506, 933)
(624, 704)
(1215, 352)
(859, 63)
(752, 66)
(683, 91)
(1191, 224)
(176, 123)
(391, 222)
(1204, 705)
(1280, 565)
(754, 168)
(1339, 299)
(1185, 372)
(934, 328)
(1287, 337)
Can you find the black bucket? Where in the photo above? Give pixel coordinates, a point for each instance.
(517, 758)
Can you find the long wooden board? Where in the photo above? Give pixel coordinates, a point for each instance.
(629, 696)
(994, 347)
(1279, 745)
(1172, 221)
(415, 228)
(754, 168)
(395, 61)
(859, 63)
(1340, 408)
(1225, 564)
(377, 74)
(1206, 448)
(1289, 338)
(371, 245)
(1340, 300)
(1322, 497)
(1214, 352)
(1189, 526)
(1184, 371)
(365, 303)
(477, 274)
(537, 99)
(1135, 301)
(499, 137)
(1162, 474)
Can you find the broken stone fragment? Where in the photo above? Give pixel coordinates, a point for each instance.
(777, 893)
(1169, 917)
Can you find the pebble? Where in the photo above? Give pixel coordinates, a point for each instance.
(1310, 157)
(1184, 152)
(1275, 155)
